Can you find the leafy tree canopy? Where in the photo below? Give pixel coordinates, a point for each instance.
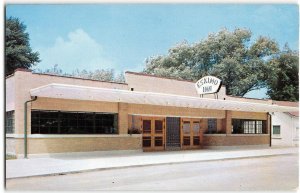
(18, 53)
(242, 64)
(99, 74)
(283, 81)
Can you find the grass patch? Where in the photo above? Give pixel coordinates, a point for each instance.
(9, 156)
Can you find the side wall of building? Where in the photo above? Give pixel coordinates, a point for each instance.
(288, 130)
(10, 93)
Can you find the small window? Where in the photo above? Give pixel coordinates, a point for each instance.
(212, 125)
(276, 130)
(10, 122)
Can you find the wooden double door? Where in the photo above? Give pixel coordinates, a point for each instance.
(191, 136)
(170, 133)
(153, 133)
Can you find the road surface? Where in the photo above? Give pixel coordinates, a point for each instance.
(265, 173)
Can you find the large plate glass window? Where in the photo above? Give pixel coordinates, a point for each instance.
(56, 122)
(243, 126)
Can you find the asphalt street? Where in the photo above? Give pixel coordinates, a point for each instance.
(265, 173)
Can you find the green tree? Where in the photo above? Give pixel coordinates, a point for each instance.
(18, 53)
(99, 74)
(283, 80)
(241, 64)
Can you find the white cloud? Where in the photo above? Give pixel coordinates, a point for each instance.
(77, 51)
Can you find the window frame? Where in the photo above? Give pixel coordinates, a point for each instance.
(10, 122)
(249, 126)
(276, 134)
(212, 126)
(74, 123)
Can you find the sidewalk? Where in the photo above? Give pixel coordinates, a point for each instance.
(62, 164)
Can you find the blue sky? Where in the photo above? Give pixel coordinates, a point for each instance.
(122, 36)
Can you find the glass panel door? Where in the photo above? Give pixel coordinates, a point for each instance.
(190, 133)
(147, 133)
(153, 133)
(196, 133)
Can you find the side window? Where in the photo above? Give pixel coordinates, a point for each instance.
(276, 129)
(10, 122)
(212, 125)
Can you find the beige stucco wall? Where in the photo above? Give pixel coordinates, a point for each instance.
(289, 134)
(10, 146)
(10, 93)
(146, 83)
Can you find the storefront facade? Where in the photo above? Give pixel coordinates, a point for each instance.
(146, 113)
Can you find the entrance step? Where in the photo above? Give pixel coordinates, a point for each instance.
(172, 148)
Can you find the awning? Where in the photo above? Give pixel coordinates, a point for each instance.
(64, 91)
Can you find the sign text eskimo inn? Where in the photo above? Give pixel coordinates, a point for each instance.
(208, 85)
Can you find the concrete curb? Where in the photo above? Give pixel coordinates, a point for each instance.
(143, 165)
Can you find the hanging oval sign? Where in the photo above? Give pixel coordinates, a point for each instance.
(208, 85)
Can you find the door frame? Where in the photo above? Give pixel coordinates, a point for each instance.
(152, 134)
(191, 146)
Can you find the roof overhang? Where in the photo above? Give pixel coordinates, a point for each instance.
(64, 91)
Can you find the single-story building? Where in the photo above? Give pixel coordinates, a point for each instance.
(285, 126)
(55, 114)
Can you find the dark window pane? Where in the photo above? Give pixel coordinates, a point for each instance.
(186, 140)
(212, 125)
(10, 122)
(146, 126)
(52, 122)
(196, 140)
(158, 141)
(158, 126)
(146, 141)
(35, 129)
(54, 130)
